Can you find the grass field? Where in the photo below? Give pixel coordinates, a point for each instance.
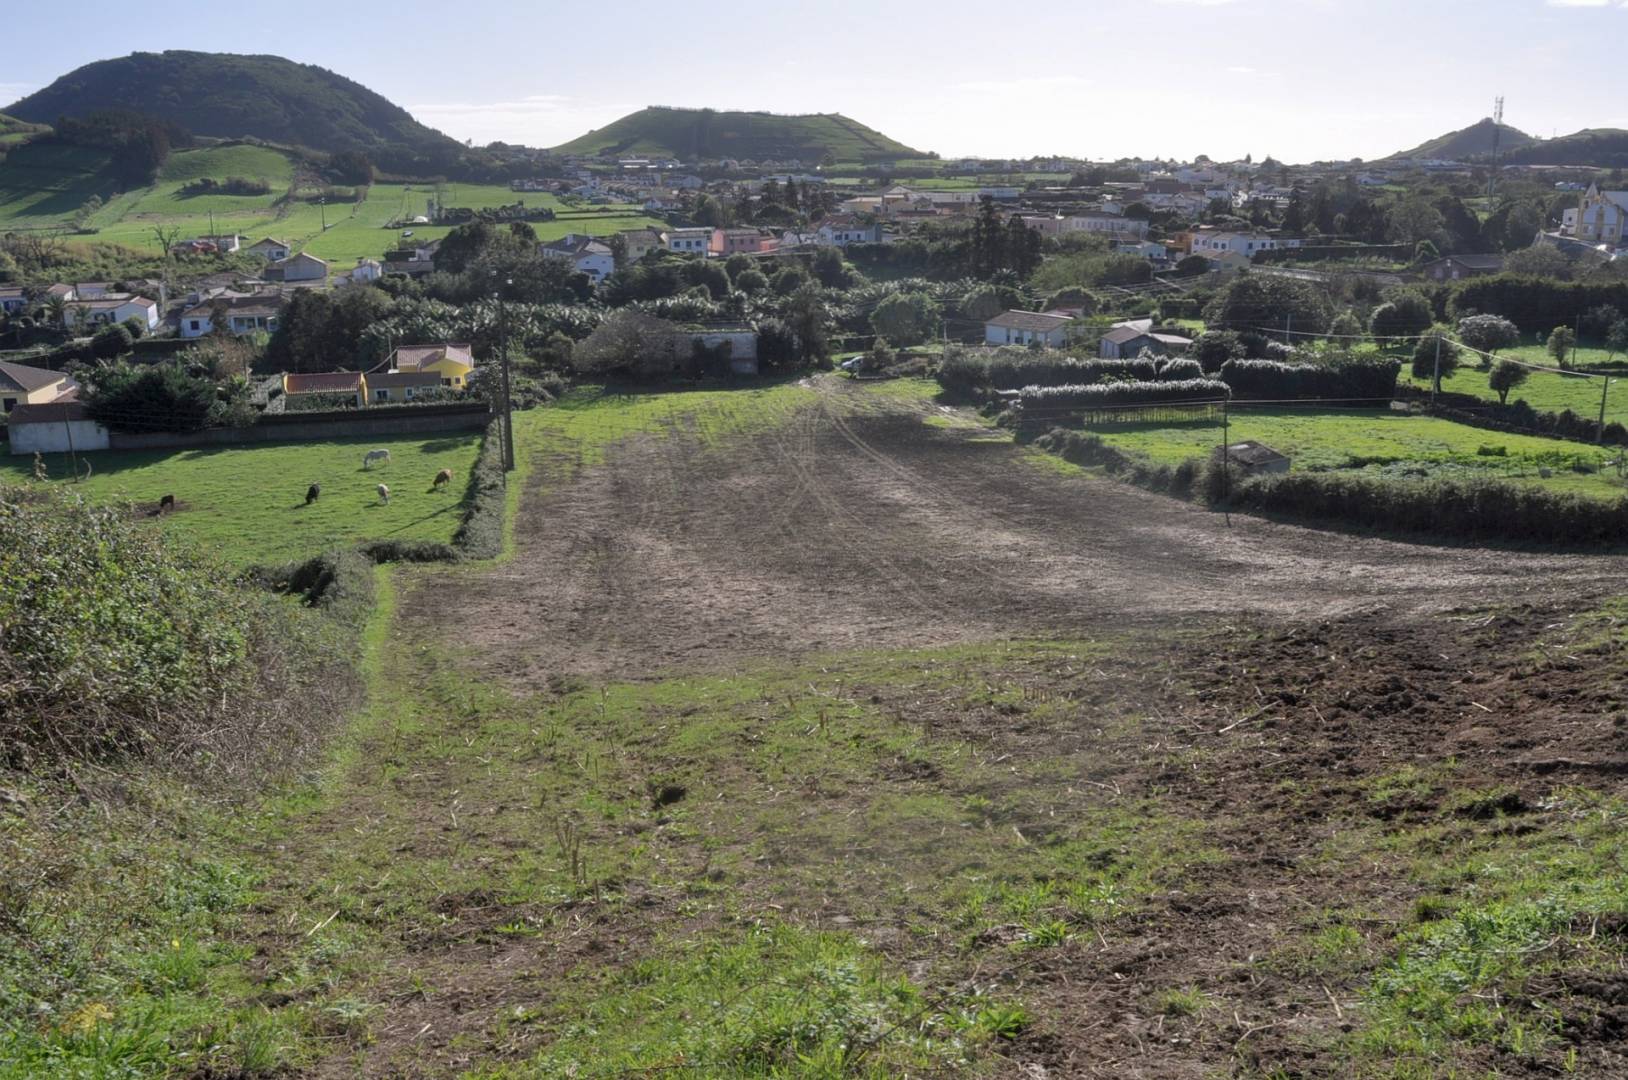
(1381, 442)
(43, 186)
(1543, 390)
(246, 504)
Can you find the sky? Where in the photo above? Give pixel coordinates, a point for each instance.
(1300, 80)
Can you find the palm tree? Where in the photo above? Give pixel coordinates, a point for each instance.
(56, 308)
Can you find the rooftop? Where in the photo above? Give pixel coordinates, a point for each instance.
(28, 379)
(1029, 320)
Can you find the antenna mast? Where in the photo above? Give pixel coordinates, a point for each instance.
(1497, 137)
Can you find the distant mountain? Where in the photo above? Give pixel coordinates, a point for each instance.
(707, 134)
(1470, 142)
(226, 95)
(1602, 148)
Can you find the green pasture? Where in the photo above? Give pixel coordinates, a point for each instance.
(248, 503)
(1381, 442)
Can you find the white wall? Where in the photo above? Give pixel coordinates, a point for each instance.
(54, 437)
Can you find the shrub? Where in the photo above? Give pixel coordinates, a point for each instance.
(480, 536)
(1180, 368)
(1253, 301)
(110, 640)
(1108, 395)
(1215, 347)
(1080, 448)
(1349, 378)
(111, 341)
(1488, 333)
(1472, 509)
(907, 318)
(1405, 313)
(1562, 340)
(1506, 377)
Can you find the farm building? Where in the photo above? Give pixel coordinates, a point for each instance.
(1027, 328)
(341, 383)
(23, 385)
(55, 427)
(271, 250)
(1253, 457)
(301, 267)
(1123, 342)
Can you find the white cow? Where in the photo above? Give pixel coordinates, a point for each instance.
(384, 495)
(375, 455)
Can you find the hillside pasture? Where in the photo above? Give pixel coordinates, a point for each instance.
(1545, 391)
(1381, 442)
(247, 504)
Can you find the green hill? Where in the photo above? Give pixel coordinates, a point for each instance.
(263, 97)
(707, 134)
(14, 131)
(1473, 141)
(1602, 148)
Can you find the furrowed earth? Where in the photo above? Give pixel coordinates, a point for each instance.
(822, 731)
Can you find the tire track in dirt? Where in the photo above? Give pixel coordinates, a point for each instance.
(854, 524)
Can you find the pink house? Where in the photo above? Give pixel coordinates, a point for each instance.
(741, 242)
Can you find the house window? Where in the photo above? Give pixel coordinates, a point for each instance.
(408, 393)
(446, 382)
(194, 324)
(381, 395)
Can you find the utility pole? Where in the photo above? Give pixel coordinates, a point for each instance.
(1435, 381)
(322, 204)
(508, 410)
(1226, 463)
(1599, 431)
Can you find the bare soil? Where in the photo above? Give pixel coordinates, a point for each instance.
(852, 528)
(1282, 669)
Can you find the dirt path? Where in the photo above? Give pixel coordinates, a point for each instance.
(857, 525)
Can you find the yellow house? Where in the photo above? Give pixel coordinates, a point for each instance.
(20, 385)
(451, 363)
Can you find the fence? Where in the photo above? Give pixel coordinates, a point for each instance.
(296, 427)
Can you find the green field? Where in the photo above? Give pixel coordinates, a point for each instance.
(41, 187)
(1545, 391)
(1384, 443)
(247, 504)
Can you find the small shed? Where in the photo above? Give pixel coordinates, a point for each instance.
(1254, 457)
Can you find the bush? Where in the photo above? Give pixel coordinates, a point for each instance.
(111, 641)
(1488, 333)
(906, 318)
(1180, 368)
(1109, 395)
(111, 341)
(1214, 348)
(480, 536)
(1348, 378)
(1478, 509)
(1404, 314)
(163, 397)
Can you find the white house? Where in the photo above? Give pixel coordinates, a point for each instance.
(1027, 327)
(689, 241)
(840, 232)
(114, 308)
(365, 270)
(12, 299)
(1247, 244)
(242, 314)
(586, 255)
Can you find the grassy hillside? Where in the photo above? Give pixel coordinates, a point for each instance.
(1605, 148)
(231, 96)
(13, 130)
(41, 186)
(702, 134)
(1473, 141)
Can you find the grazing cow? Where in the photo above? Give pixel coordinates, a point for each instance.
(311, 493)
(442, 477)
(384, 495)
(166, 503)
(375, 455)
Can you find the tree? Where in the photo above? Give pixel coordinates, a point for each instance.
(1617, 339)
(984, 302)
(808, 319)
(1435, 357)
(1345, 325)
(111, 341)
(709, 212)
(752, 281)
(829, 269)
(631, 343)
(1192, 266)
(1424, 251)
(1541, 260)
(1404, 313)
(1266, 301)
(1488, 333)
(1506, 376)
(1562, 340)
(157, 397)
(907, 318)
(136, 326)
(351, 167)
(1413, 220)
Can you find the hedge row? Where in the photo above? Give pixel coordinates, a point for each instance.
(1536, 305)
(1476, 509)
(1107, 395)
(481, 534)
(1351, 378)
(1014, 368)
